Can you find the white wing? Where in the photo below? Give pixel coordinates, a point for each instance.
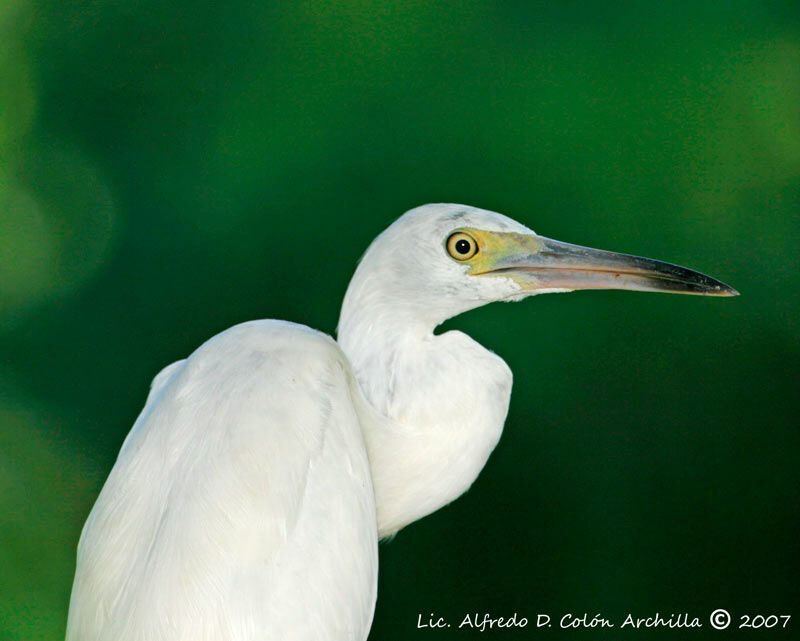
(240, 506)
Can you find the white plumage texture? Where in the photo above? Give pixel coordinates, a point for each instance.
(219, 507)
(248, 499)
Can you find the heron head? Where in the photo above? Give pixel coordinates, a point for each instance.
(439, 260)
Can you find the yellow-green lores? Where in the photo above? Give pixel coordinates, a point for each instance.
(494, 247)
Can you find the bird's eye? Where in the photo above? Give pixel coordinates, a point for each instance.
(461, 246)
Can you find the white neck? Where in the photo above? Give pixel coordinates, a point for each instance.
(434, 407)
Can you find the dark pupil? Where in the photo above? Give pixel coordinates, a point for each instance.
(462, 246)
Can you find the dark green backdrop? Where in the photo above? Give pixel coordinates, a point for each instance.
(168, 169)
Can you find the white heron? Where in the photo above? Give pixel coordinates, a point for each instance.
(248, 499)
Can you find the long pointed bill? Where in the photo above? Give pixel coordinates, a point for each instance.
(536, 262)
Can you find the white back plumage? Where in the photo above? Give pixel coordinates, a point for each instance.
(218, 519)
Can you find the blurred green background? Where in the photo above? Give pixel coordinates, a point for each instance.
(169, 169)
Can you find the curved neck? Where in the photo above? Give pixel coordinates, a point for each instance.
(432, 409)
